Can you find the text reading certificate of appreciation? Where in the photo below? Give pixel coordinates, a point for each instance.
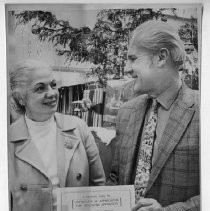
(100, 198)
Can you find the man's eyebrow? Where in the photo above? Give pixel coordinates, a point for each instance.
(131, 56)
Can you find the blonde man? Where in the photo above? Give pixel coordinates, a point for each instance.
(163, 164)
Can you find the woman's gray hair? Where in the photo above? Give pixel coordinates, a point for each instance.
(19, 79)
(154, 35)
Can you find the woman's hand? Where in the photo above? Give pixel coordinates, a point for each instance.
(147, 204)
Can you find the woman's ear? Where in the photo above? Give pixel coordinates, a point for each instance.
(163, 56)
(18, 98)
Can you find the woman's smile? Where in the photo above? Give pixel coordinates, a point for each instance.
(51, 103)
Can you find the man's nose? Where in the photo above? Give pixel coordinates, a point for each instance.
(128, 68)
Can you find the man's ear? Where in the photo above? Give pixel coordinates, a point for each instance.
(163, 56)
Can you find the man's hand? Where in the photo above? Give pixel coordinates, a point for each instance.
(147, 204)
(86, 104)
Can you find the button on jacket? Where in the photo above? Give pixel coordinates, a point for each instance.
(79, 163)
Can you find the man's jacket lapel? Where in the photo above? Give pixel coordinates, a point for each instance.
(131, 137)
(181, 115)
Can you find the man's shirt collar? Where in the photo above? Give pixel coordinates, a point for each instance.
(167, 98)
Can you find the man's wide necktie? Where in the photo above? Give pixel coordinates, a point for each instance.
(145, 156)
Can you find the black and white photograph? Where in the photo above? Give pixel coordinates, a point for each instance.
(103, 107)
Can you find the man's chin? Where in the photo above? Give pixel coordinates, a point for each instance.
(138, 92)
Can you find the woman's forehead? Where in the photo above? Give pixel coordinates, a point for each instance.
(41, 75)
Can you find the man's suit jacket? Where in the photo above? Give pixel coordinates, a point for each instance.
(79, 163)
(174, 177)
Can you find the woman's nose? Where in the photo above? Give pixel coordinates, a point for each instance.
(51, 92)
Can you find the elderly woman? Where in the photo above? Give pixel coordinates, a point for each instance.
(47, 150)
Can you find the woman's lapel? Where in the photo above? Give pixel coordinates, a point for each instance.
(66, 146)
(29, 153)
(24, 148)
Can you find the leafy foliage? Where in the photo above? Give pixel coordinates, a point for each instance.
(105, 45)
(189, 32)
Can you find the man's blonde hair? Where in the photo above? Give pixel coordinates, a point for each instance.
(155, 35)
